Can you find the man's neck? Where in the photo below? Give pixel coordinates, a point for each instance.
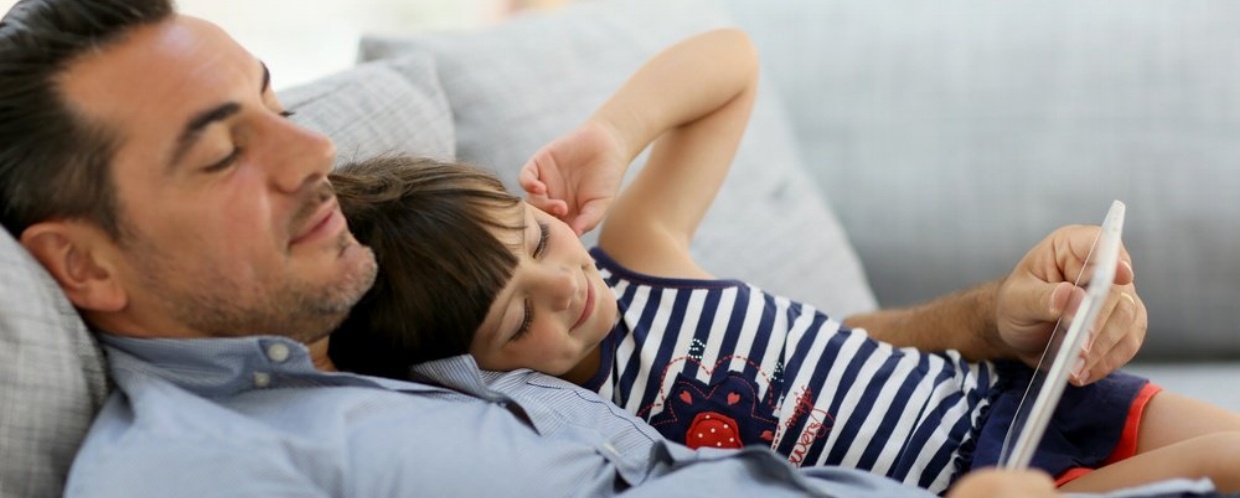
(318, 354)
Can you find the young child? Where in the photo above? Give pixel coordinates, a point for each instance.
(469, 268)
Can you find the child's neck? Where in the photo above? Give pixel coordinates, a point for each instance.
(586, 369)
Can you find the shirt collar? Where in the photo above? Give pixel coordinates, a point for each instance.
(221, 367)
(460, 373)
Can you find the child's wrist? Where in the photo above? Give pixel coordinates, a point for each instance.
(625, 133)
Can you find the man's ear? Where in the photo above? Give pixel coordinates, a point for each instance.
(77, 254)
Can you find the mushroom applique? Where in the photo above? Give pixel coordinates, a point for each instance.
(714, 430)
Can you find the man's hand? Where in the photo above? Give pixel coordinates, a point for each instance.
(991, 483)
(1040, 289)
(576, 176)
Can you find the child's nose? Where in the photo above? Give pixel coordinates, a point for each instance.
(561, 288)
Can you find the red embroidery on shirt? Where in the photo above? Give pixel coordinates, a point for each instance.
(816, 426)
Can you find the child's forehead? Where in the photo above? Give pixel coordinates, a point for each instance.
(537, 212)
(511, 222)
(524, 213)
(515, 215)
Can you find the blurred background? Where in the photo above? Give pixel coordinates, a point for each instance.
(322, 37)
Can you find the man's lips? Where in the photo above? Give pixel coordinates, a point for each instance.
(588, 307)
(324, 222)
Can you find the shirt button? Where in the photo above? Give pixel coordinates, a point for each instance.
(277, 352)
(261, 379)
(611, 449)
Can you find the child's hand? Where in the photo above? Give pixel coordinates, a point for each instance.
(576, 176)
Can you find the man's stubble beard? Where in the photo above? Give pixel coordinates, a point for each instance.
(214, 306)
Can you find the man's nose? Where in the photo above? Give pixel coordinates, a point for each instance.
(297, 157)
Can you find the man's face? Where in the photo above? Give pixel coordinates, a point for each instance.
(229, 226)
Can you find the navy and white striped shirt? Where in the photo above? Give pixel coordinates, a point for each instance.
(722, 363)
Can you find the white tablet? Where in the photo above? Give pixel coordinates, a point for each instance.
(1063, 351)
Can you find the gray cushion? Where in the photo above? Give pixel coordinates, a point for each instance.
(51, 377)
(516, 86)
(953, 135)
(393, 106)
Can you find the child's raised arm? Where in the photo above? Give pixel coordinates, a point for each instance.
(693, 101)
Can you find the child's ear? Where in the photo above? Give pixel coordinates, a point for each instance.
(79, 256)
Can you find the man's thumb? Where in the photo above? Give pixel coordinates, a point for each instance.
(1062, 297)
(1036, 301)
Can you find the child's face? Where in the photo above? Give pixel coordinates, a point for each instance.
(556, 308)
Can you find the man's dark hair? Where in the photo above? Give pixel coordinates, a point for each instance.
(433, 229)
(53, 163)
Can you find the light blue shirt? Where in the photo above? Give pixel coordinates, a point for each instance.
(253, 417)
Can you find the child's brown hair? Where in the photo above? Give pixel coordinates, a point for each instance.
(432, 226)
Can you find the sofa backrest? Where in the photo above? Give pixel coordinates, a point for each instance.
(952, 135)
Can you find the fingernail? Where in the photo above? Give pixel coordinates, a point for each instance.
(1127, 305)
(1054, 304)
(1081, 375)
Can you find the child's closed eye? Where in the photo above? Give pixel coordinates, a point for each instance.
(544, 233)
(526, 320)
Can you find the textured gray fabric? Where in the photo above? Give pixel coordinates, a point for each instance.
(951, 136)
(51, 377)
(393, 106)
(515, 87)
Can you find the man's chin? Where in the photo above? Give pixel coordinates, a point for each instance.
(361, 268)
(355, 275)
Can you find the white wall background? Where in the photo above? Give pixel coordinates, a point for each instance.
(303, 39)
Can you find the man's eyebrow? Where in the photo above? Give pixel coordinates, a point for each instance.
(193, 130)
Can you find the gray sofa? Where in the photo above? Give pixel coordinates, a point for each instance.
(951, 135)
(898, 150)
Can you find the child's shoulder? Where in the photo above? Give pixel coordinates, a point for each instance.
(617, 271)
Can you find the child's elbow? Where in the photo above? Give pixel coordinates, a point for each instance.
(741, 48)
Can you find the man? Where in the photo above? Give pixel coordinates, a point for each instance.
(146, 163)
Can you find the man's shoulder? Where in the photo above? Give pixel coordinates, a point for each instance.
(145, 447)
(156, 439)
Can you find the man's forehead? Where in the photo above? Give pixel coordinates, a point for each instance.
(175, 61)
(147, 85)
